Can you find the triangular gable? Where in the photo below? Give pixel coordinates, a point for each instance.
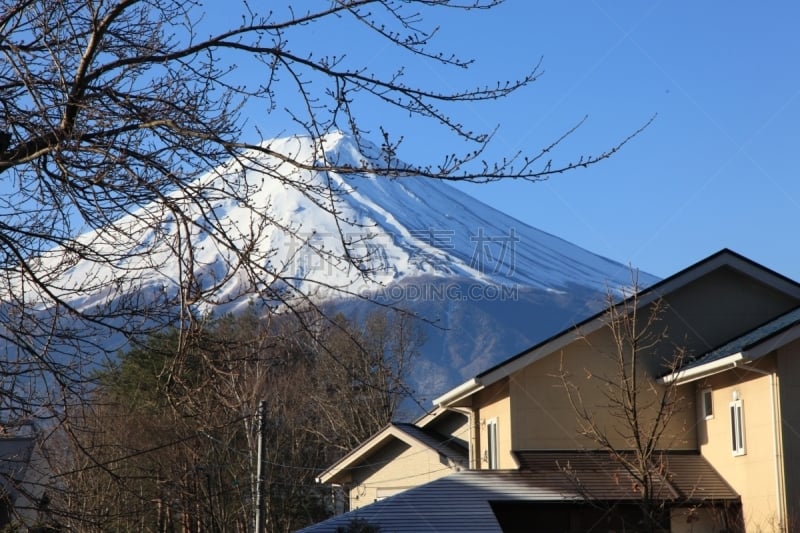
(721, 259)
(409, 434)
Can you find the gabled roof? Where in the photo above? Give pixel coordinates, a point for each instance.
(463, 501)
(407, 433)
(741, 350)
(723, 258)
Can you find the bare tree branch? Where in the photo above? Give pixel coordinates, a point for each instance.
(621, 409)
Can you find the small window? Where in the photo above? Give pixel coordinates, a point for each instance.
(737, 425)
(491, 444)
(383, 493)
(707, 404)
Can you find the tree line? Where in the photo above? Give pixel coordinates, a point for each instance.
(110, 110)
(167, 439)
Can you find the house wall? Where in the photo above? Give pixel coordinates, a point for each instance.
(788, 361)
(752, 475)
(712, 310)
(493, 403)
(545, 418)
(394, 468)
(697, 317)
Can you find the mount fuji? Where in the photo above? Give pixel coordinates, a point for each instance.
(487, 284)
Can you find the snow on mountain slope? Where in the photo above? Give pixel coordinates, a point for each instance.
(492, 284)
(399, 228)
(433, 218)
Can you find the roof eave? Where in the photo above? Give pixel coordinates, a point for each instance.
(773, 342)
(376, 441)
(747, 354)
(703, 371)
(538, 352)
(330, 473)
(459, 393)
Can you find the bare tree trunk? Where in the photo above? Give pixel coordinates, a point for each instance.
(641, 409)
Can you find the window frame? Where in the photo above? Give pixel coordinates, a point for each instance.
(738, 447)
(492, 444)
(707, 403)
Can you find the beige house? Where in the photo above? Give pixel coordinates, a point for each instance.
(727, 455)
(400, 457)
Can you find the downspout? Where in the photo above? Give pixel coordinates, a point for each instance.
(475, 428)
(473, 442)
(780, 490)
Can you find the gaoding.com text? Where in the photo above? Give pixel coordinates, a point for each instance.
(440, 292)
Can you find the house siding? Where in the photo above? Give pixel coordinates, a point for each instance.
(752, 475)
(494, 403)
(788, 358)
(549, 421)
(395, 468)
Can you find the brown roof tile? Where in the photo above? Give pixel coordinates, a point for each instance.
(681, 476)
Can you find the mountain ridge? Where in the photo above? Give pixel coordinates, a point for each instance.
(498, 284)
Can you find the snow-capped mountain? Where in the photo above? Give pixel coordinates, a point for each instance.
(492, 284)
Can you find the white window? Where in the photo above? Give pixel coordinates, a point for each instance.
(737, 425)
(383, 493)
(707, 404)
(491, 443)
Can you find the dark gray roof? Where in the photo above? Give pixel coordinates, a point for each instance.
(748, 340)
(458, 502)
(443, 444)
(462, 501)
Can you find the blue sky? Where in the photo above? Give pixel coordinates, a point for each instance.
(716, 169)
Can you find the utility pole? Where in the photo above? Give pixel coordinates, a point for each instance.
(261, 489)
